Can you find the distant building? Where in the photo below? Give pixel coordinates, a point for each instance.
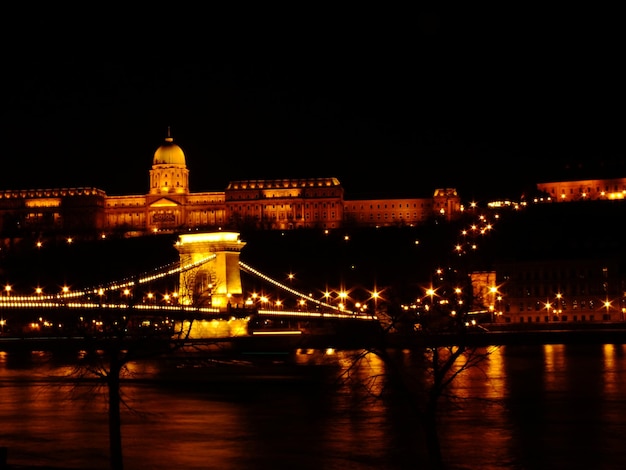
(285, 203)
(69, 210)
(581, 190)
(445, 204)
(561, 263)
(560, 290)
(169, 205)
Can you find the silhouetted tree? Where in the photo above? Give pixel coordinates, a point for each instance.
(425, 381)
(113, 338)
(436, 329)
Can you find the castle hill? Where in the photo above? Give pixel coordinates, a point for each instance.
(551, 259)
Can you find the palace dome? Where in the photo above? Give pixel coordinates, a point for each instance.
(169, 154)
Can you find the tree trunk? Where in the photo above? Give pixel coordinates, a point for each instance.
(432, 437)
(115, 422)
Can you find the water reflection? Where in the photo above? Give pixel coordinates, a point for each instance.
(551, 406)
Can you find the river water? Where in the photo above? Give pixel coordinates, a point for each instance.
(525, 407)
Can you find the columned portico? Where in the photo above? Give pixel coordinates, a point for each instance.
(216, 282)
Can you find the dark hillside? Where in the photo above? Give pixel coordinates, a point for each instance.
(402, 257)
(391, 256)
(84, 263)
(563, 230)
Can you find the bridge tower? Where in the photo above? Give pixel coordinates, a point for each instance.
(216, 282)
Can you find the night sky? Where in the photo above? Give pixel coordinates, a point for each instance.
(390, 100)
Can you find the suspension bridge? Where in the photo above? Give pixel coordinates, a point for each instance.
(210, 297)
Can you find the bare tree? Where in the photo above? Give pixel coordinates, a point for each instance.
(113, 338)
(421, 382)
(438, 334)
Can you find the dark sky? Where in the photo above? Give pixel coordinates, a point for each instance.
(487, 101)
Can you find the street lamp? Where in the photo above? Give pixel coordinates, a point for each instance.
(431, 293)
(375, 296)
(548, 305)
(126, 294)
(343, 295)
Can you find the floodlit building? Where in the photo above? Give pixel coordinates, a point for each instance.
(444, 204)
(285, 203)
(586, 289)
(170, 206)
(581, 190)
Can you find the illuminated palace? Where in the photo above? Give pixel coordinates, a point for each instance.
(597, 189)
(169, 205)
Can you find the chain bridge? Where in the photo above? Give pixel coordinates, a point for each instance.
(209, 296)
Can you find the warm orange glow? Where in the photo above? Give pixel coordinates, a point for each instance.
(209, 237)
(278, 332)
(47, 202)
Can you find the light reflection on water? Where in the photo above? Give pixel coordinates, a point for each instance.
(552, 406)
(529, 407)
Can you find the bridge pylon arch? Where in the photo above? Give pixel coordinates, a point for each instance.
(216, 281)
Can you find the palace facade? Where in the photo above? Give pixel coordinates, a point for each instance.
(583, 190)
(169, 205)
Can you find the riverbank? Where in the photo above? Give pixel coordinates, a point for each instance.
(492, 334)
(501, 334)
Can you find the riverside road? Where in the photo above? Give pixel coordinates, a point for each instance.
(486, 335)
